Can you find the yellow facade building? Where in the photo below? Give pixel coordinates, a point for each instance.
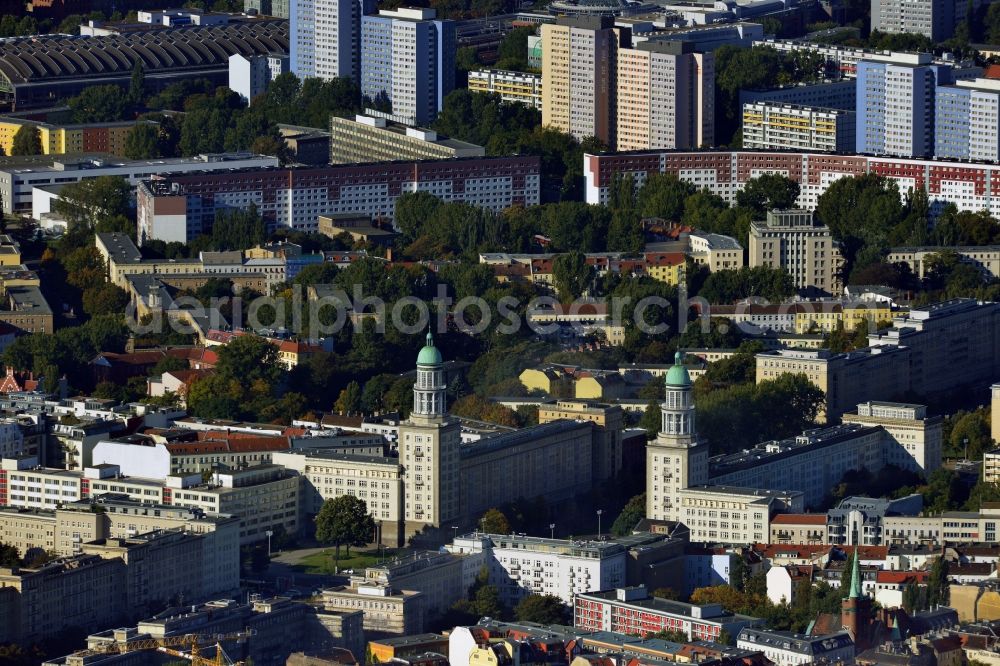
(59, 139)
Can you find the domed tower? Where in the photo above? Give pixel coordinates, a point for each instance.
(675, 459)
(430, 387)
(429, 449)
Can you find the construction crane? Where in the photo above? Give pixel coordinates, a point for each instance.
(192, 641)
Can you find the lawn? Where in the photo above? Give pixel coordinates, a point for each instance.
(322, 563)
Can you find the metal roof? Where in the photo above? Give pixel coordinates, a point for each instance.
(27, 61)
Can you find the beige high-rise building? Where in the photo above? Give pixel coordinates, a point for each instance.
(429, 449)
(578, 72)
(665, 97)
(606, 451)
(794, 241)
(914, 438)
(675, 460)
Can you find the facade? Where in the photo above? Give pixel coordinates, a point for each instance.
(984, 257)
(970, 186)
(57, 139)
(407, 63)
(715, 251)
(785, 648)
(935, 19)
(366, 139)
(964, 116)
(250, 75)
(578, 76)
(665, 97)
(895, 106)
(325, 38)
(631, 611)
(794, 241)
(521, 565)
(519, 87)
(844, 58)
(916, 439)
(19, 178)
(609, 422)
(847, 379)
(386, 611)
(773, 126)
(840, 95)
(295, 197)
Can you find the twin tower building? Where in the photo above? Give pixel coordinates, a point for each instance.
(432, 457)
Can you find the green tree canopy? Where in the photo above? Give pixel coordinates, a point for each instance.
(344, 521)
(766, 192)
(27, 141)
(494, 522)
(572, 275)
(143, 142)
(541, 608)
(99, 104)
(630, 515)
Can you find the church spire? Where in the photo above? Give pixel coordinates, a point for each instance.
(855, 576)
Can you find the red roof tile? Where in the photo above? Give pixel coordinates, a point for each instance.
(799, 519)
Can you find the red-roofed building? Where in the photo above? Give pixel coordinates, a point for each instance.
(290, 352)
(14, 381)
(666, 266)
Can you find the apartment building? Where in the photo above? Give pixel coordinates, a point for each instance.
(329, 474)
(984, 257)
(518, 87)
(934, 19)
(774, 126)
(368, 139)
(881, 372)
(970, 186)
(949, 526)
(803, 317)
(521, 565)
(407, 63)
(792, 240)
(963, 118)
(609, 422)
(250, 75)
(895, 105)
(718, 513)
(58, 139)
(578, 76)
(786, 648)
(632, 611)
(840, 95)
(715, 251)
(295, 197)
(844, 58)
(915, 438)
(20, 177)
(665, 97)
(325, 37)
(23, 483)
(387, 611)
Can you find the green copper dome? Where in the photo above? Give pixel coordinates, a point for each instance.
(430, 355)
(678, 375)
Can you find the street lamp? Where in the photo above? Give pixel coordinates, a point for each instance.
(599, 512)
(552, 530)
(269, 534)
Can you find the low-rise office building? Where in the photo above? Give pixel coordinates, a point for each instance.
(785, 648)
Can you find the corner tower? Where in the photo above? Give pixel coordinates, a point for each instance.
(675, 460)
(429, 449)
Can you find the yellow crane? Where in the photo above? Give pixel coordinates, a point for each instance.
(191, 641)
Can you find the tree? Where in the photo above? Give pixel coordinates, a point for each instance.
(766, 192)
(27, 141)
(541, 608)
(861, 211)
(728, 286)
(238, 228)
(937, 583)
(249, 358)
(8, 556)
(104, 298)
(94, 204)
(349, 400)
(494, 522)
(663, 195)
(143, 142)
(137, 83)
(99, 104)
(571, 275)
(630, 516)
(344, 521)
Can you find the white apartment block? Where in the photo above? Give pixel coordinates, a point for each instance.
(665, 97)
(522, 565)
(731, 514)
(913, 439)
(774, 126)
(715, 251)
(793, 241)
(328, 475)
(26, 484)
(965, 120)
(785, 648)
(934, 19)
